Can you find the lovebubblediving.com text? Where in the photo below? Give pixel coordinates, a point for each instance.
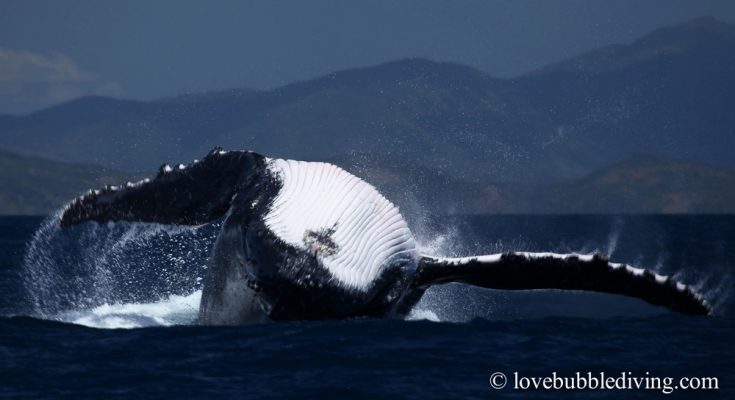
(601, 381)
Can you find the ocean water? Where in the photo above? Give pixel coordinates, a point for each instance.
(106, 311)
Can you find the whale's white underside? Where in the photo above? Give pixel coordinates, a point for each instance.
(368, 230)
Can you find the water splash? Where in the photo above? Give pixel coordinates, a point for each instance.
(418, 314)
(456, 302)
(614, 237)
(174, 310)
(96, 273)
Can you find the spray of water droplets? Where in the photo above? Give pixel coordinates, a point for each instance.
(116, 274)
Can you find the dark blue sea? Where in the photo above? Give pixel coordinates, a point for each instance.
(105, 311)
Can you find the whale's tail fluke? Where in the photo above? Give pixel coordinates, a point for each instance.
(525, 271)
(183, 195)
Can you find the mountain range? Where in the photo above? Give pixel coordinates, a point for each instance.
(36, 186)
(547, 134)
(638, 184)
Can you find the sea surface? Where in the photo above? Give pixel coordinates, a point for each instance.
(106, 311)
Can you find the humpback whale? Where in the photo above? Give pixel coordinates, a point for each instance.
(308, 240)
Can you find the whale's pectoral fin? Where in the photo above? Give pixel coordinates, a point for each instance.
(185, 195)
(525, 271)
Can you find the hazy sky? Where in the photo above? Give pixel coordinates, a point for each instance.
(51, 51)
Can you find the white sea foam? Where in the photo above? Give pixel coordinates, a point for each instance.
(422, 315)
(173, 310)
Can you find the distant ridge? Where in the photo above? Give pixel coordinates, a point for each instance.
(639, 184)
(670, 94)
(36, 186)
